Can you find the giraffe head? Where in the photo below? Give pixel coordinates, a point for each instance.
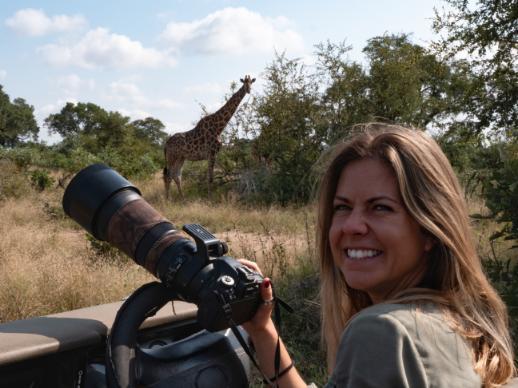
(247, 83)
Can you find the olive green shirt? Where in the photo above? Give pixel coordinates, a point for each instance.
(402, 345)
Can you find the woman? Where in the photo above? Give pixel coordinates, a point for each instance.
(405, 302)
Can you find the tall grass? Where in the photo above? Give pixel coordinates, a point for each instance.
(47, 266)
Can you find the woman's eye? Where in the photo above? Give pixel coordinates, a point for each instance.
(381, 207)
(340, 208)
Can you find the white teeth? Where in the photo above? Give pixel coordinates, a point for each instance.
(358, 254)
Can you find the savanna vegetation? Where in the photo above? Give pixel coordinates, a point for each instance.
(462, 89)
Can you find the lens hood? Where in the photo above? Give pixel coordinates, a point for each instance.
(89, 190)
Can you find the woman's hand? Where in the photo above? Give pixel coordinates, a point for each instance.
(261, 320)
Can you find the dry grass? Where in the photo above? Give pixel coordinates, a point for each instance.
(46, 265)
(225, 213)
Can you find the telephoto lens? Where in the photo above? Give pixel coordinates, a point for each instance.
(113, 210)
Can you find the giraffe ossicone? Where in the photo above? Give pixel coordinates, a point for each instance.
(202, 142)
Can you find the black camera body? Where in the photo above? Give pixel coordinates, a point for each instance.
(226, 291)
(112, 209)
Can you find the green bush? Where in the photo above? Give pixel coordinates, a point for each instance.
(41, 180)
(504, 277)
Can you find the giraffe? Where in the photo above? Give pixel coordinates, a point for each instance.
(202, 142)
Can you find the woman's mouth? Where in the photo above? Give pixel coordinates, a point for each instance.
(361, 254)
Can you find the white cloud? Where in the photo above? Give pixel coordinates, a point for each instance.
(3, 74)
(121, 90)
(131, 95)
(35, 22)
(232, 31)
(208, 87)
(101, 48)
(134, 114)
(73, 84)
(45, 110)
(167, 103)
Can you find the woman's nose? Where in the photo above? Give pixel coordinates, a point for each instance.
(355, 223)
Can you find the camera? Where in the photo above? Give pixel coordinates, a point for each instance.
(113, 210)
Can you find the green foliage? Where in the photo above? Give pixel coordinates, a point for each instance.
(487, 31)
(302, 113)
(500, 185)
(91, 135)
(287, 145)
(17, 122)
(407, 85)
(41, 179)
(76, 118)
(504, 277)
(151, 130)
(402, 82)
(488, 99)
(345, 100)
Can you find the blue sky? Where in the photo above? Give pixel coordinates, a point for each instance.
(165, 58)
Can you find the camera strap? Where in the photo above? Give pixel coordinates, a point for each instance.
(272, 382)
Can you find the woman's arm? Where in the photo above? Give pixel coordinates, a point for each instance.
(264, 336)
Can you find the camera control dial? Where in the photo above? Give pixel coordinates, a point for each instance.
(227, 280)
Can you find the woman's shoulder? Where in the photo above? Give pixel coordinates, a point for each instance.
(414, 339)
(408, 315)
(421, 324)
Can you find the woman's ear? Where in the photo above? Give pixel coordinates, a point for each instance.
(429, 241)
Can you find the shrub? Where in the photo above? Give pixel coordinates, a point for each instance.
(41, 180)
(504, 277)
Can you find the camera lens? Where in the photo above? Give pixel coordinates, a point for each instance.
(89, 192)
(111, 209)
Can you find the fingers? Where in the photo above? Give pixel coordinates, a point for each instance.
(261, 320)
(266, 285)
(252, 265)
(267, 293)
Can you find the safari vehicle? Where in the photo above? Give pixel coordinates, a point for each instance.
(69, 349)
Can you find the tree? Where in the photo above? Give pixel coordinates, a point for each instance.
(77, 118)
(150, 129)
(487, 30)
(287, 145)
(345, 101)
(401, 82)
(407, 84)
(89, 122)
(92, 134)
(17, 122)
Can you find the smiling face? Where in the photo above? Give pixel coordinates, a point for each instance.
(376, 244)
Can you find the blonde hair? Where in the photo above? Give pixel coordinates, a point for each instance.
(433, 196)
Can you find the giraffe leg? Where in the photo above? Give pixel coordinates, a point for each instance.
(167, 181)
(173, 172)
(176, 175)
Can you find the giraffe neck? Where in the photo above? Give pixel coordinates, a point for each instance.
(224, 114)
